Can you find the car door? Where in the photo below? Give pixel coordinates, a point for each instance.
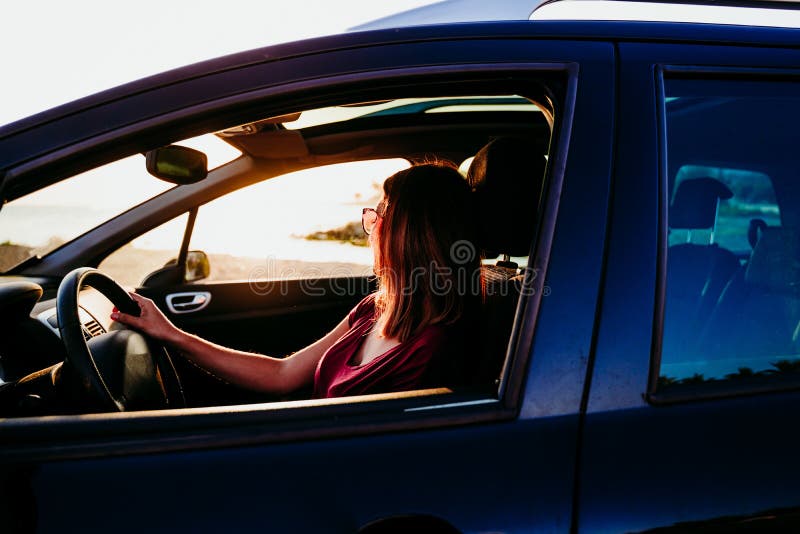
(689, 423)
(503, 462)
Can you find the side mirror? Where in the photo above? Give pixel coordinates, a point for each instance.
(197, 266)
(177, 164)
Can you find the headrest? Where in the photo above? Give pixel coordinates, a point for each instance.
(775, 262)
(695, 203)
(507, 181)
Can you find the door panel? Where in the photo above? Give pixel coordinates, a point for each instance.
(272, 318)
(276, 319)
(478, 479)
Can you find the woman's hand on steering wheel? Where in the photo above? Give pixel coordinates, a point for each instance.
(151, 320)
(121, 370)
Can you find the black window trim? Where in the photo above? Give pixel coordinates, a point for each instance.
(717, 389)
(82, 436)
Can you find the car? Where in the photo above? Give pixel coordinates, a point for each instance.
(639, 333)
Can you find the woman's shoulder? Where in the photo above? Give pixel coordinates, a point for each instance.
(365, 309)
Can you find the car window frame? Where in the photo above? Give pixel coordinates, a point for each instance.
(278, 422)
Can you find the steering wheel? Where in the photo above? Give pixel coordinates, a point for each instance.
(123, 369)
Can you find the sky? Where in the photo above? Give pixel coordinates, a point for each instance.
(53, 52)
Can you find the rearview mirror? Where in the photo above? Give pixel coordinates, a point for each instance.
(177, 164)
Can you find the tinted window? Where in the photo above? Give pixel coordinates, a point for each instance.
(732, 307)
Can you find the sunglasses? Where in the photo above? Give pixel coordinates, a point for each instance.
(369, 216)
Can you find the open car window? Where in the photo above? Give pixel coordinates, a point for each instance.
(286, 209)
(305, 224)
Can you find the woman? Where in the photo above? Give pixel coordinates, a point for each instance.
(407, 335)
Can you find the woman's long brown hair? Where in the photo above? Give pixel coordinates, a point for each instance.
(428, 265)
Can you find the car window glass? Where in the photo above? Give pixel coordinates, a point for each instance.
(130, 264)
(305, 224)
(44, 220)
(732, 301)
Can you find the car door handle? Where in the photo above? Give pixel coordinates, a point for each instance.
(188, 302)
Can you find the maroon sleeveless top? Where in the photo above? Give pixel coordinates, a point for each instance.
(415, 364)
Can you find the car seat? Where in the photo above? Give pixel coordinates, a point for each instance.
(758, 314)
(696, 273)
(507, 179)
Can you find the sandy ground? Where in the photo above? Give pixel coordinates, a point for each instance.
(11, 255)
(130, 265)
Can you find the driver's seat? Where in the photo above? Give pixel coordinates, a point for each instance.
(507, 181)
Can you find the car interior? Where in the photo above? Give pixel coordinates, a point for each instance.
(68, 357)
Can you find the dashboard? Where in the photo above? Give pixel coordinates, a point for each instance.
(30, 339)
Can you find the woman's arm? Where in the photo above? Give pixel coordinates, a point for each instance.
(249, 370)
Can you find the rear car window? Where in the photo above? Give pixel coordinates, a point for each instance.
(732, 297)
